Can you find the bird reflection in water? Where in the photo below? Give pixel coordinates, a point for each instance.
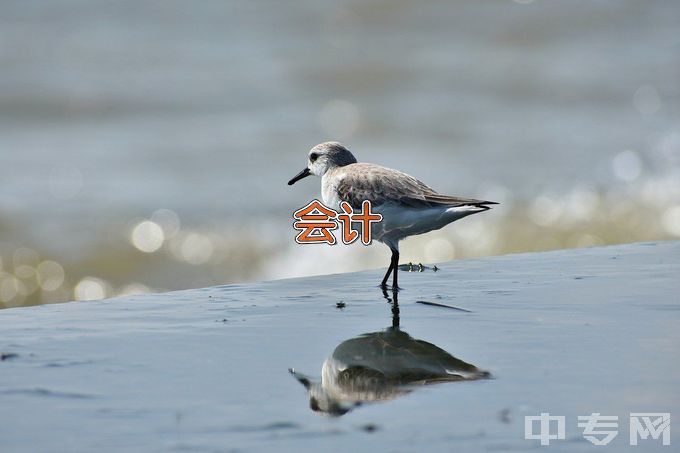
(381, 366)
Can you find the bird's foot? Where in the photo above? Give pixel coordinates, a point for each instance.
(417, 267)
(385, 287)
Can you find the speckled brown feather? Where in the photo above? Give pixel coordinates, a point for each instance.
(378, 184)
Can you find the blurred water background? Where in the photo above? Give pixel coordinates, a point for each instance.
(146, 145)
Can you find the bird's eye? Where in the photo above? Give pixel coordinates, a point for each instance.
(313, 157)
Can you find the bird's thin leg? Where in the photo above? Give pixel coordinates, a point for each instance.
(387, 275)
(394, 302)
(395, 309)
(395, 265)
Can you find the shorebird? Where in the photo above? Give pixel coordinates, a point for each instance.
(381, 366)
(407, 205)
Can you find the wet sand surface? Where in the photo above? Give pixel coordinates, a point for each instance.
(568, 332)
(145, 146)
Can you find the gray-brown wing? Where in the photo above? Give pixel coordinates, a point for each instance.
(379, 185)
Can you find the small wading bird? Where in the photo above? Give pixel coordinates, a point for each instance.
(407, 205)
(380, 366)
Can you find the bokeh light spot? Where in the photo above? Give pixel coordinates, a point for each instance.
(50, 275)
(24, 271)
(12, 291)
(196, 248)
(147, 236)
(168, 220)
(545, 211)
(90, 288)
(132, 289)
(627, 166)
(24, 255)
(671, 220)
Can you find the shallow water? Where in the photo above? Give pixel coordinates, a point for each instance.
(566, 112)
(569, 332)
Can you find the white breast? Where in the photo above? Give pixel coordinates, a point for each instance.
(329, 191)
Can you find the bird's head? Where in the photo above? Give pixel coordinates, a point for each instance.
(319, 400)
(322, 158)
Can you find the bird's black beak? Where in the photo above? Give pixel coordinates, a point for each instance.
(303, 174)
(302, 379)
